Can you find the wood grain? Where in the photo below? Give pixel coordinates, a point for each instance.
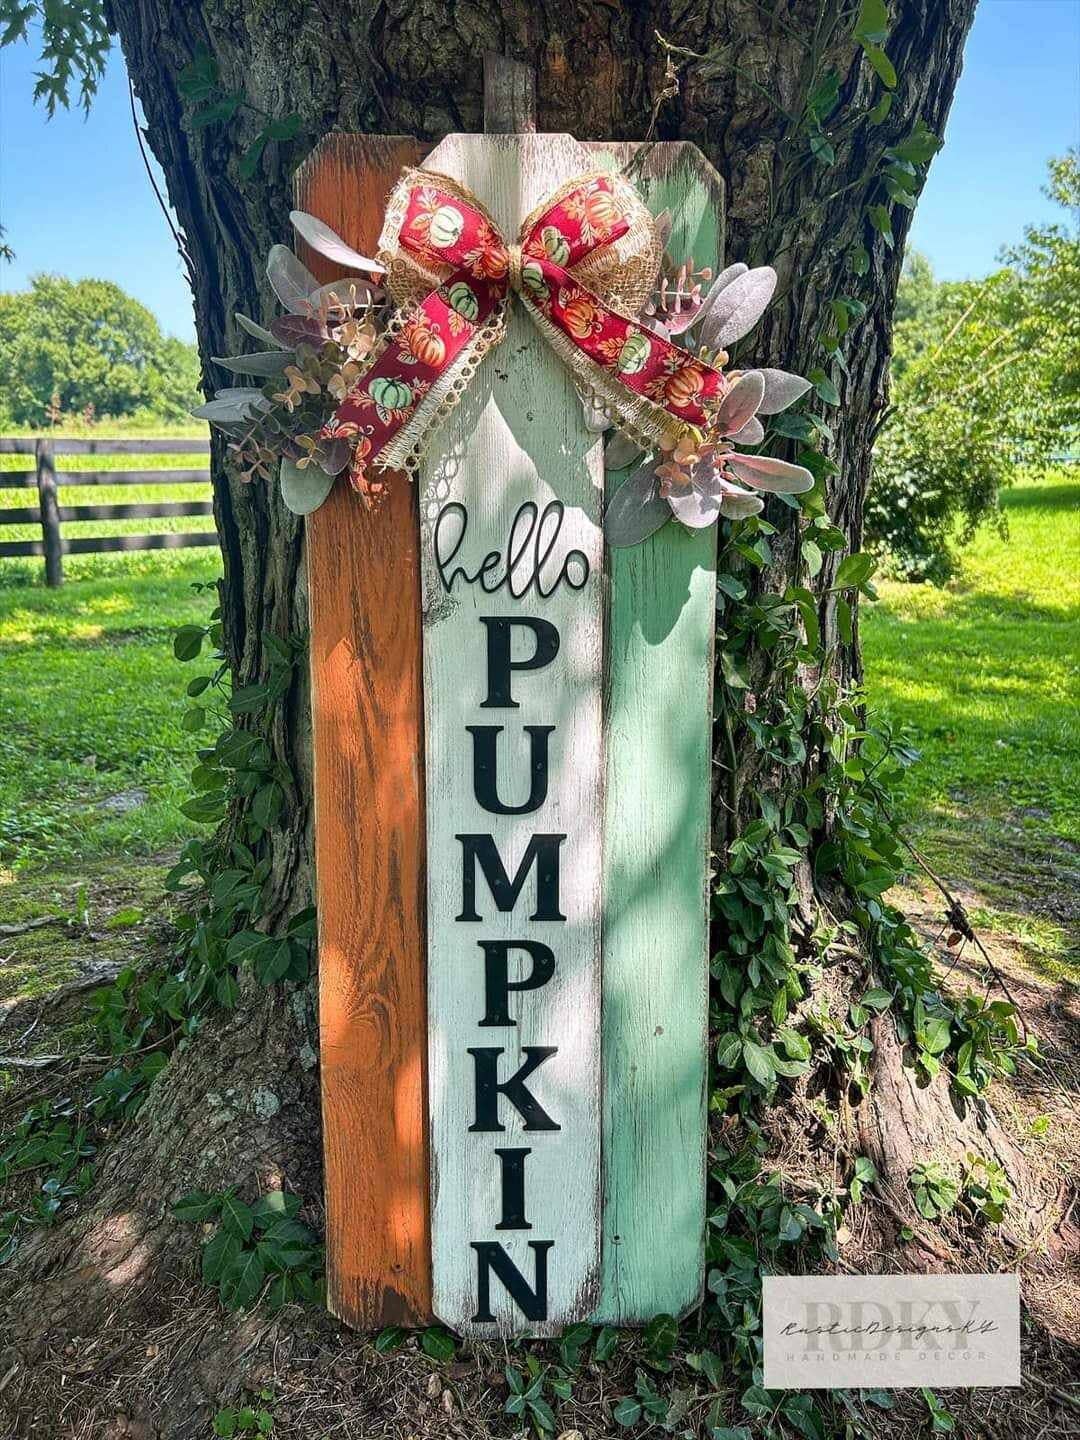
(657, 727)
(364, 581)
(517, 436)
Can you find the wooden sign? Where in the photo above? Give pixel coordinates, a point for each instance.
(512, 775)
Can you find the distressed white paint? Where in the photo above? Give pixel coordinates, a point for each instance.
(518, 435)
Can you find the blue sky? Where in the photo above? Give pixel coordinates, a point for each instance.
(74, 197)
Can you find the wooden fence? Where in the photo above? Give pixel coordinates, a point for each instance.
(47, 478)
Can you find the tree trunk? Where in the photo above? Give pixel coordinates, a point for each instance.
(239, 1104)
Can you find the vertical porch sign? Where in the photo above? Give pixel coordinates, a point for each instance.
(512, 780)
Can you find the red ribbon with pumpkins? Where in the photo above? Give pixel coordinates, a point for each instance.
(448, 238)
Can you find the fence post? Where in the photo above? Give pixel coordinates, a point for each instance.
(50, 512)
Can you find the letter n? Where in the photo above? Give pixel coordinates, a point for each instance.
(532, 1300)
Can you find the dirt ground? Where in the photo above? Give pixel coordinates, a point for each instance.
(166, 1370)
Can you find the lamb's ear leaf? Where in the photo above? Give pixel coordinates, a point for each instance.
(695, 509)
(348, 291)
(293, 330)
(738, 308)
(766, 473)
(637, 509)
(231, 405)
(781, 390)
(620, 451)
(740, 403)
(292, 282)
(752, 433)
(596, 420)
(304, 490)
(327, 242)
(259, 362)
(257, 332)
(334, 456)
(722, 281)
(247, 393)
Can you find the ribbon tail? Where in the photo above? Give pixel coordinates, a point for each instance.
(652, 390)
(646, 423)
(417, 378)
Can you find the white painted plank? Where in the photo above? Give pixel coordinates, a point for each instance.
(517, 437)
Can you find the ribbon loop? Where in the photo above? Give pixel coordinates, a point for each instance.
(583, 266)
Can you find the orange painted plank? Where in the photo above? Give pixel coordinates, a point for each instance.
(367, 711)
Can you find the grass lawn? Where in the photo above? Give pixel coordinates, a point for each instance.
(93, 761)
(984, 675)
(92, 757)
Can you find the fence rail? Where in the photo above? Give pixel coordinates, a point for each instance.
(47, 479)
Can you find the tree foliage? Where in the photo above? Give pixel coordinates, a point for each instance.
(986, 376)
(74, 39)
(69, 344)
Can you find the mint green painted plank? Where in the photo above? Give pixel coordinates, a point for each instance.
(657, 717)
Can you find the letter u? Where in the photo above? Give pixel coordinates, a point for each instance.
(486, 768)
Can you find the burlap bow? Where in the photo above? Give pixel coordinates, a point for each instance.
(584, 265)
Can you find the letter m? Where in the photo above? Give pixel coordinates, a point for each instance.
(542, 851)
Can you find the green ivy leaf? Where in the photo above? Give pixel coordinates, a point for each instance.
(240, 1284)
(823, 97)
(197, 1206)
(199, 78)
(390, 1339)
(812, 557)
(759, 1061)
(880, 111)
(236, 1216)
(844, 620)
(936, 1034)
(626, 1411)
(272, 963)
(881, 64)
(876, 999)
(662, 1335)
(732, 586)
(227, 991)
(731, 671)
(188, 641)
(273, 1207)
(872, 22)
(286, 128)
(606, 1342)
(757, 1401)
(220, 1252)
(438, 1343)
(824, 387)
(881, 220)
(728, 1050)
(249, 161)
(854, 570)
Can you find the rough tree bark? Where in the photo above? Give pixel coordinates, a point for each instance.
(240, 1103)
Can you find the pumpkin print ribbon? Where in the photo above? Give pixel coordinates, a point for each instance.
(586, 260)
